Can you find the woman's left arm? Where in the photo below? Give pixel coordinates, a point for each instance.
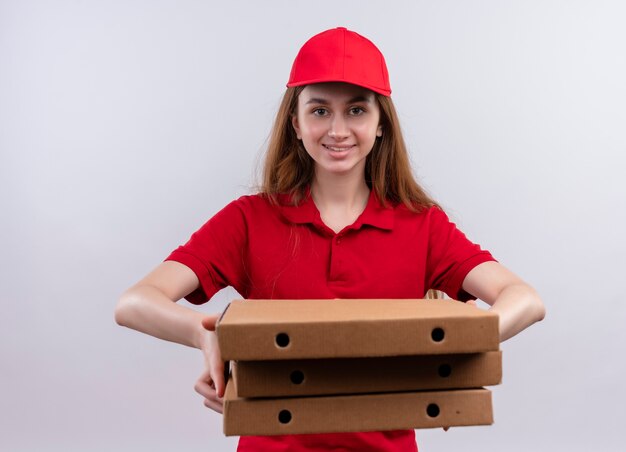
(517, 303)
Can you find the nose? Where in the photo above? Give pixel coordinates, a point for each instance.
(338, 128)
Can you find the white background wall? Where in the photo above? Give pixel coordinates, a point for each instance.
(124, 125)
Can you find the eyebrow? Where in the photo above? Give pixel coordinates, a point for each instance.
(319, 100)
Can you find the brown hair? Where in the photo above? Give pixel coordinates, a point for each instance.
(289, 169)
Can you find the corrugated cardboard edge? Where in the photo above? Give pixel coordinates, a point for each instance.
(219, 320)
(218, 324)
(371, 412)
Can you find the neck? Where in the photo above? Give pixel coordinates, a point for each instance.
(339, 199)
(330, 191)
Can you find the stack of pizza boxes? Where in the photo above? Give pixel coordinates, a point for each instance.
(322, 366)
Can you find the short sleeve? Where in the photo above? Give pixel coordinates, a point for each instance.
(451, 256)
(215, 253)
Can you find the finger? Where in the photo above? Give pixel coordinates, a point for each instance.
(215, 405)
(217, 373)
(205, 377)
(209, 322)
(205, 388)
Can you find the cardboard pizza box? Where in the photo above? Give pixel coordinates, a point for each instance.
(288, 378)
(250, 330)
(354, 413)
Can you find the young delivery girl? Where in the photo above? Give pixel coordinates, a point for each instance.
(339, 215)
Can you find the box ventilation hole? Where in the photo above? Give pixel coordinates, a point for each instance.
(296, 377)
(282, 340)
(284, 417)
(433, 410)
(445, 370)
(437, 334)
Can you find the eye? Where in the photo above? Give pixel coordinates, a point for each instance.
(320, 112)
(356, 111)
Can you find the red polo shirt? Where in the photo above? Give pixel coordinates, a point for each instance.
(286, 252)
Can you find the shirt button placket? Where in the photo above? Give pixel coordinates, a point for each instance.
(336, 260)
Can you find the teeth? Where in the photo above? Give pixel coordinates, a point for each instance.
(332, 148)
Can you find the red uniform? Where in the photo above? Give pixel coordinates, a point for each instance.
(282, 251)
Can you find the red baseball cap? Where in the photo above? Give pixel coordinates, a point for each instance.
(341, 55)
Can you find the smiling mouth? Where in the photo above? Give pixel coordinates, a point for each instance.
(338, 148)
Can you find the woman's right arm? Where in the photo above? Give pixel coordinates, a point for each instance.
(150, 307)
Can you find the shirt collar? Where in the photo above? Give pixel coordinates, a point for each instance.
(375, 214)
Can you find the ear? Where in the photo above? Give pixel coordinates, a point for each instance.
(296, 127)
(379, 131)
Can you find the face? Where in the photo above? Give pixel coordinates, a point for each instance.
(338, 124)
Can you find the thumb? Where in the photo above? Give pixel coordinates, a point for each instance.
(209, 321)
(219, 378)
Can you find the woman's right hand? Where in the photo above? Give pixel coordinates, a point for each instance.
(211, 384)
